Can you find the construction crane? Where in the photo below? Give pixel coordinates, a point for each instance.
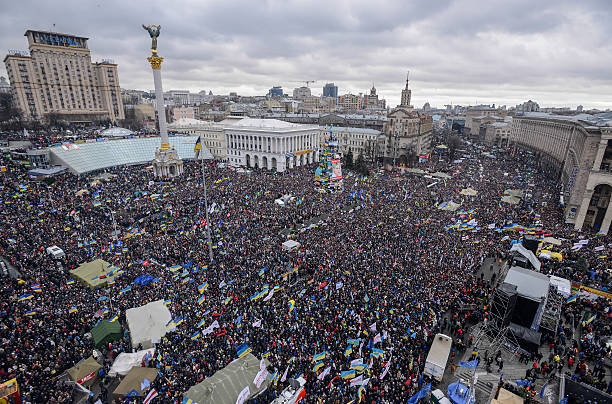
(305, 81)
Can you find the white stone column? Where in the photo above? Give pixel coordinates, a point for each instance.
(159, 100)
(605, 224)
(601, 149)
(584, 207)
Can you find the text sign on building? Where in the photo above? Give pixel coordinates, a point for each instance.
(57, 40)
(298, 153)
(15, 52)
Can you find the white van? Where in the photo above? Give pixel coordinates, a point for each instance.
(56, 252)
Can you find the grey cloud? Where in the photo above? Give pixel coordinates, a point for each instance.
(557, 52)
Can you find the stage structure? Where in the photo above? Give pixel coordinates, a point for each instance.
(167, 163)
(328, 175)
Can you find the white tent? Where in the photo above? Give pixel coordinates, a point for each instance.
(291, 245)
(564, 287)
(126, 361)
(148, 323)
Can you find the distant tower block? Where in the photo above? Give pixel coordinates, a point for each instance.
(167, 162)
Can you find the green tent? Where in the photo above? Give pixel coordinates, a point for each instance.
(226, 384)
(85, 371)
(106, 331)
(94, 274)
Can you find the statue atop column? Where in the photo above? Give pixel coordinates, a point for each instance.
(153, 31)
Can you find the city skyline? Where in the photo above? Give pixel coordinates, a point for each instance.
(555, 53)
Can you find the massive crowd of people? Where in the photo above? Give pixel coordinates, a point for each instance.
(377, 261)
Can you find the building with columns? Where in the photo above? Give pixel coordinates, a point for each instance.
(271, 144)
(211, 134)
(577, 151)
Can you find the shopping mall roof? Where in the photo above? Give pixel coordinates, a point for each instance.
(85, 157)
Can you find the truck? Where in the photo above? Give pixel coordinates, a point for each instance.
(435, 364)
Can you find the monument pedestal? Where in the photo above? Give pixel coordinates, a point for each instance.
(167, 163)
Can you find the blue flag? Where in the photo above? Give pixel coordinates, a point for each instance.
(421, 394)
(471, 364)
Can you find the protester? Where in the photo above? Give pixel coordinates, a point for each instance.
(380, 270)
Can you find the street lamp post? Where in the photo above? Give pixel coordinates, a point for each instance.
(210, 251)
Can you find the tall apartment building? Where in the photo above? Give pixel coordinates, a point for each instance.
(57, 77)
(330, 90)
(350, 102)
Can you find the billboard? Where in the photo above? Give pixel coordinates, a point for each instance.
(9, 392)
(336, 170)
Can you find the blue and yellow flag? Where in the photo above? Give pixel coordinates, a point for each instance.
(167, 302)
(291, 305)
(318, 365)
(572, 298)
(242, 350)
(348, 374)
(114, 318)
(201, 299)
(319, 357)
(195, 335)
(197, 148)
(73, 309)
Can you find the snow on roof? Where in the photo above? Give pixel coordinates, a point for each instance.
(603, 119)
(352, 130)
(189, 122)
(271, 125)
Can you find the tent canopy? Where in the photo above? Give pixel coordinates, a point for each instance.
(551, 240)
(106, 331)
(83, 369)
(126, 361)
(440, 175)
(564, 287)
(506, 397)
(510, 199)
(148, 323)
(291, 245)
(132, 383)
(226, 384)
(93, 274)
(449, 206)
(469, 192)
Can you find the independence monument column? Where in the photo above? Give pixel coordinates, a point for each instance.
(167, 162)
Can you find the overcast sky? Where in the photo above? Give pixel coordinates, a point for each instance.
(462, 52)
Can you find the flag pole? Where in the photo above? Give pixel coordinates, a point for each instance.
(210, 251)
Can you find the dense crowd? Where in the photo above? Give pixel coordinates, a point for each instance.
(381, 265)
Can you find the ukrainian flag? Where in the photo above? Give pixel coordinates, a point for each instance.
(195, 335)
(361, 393)
(572, 298)
(348, 374)
(266, 354)
(348, 350)
(377, 353)
(30, 313)
(203, 287)
(178, 321)
(318, 366)
(114, 318)
(242, 350)
(201, 323)
(201, 299)
(187, 400)
(262, 271)
(122, 291)
(167, 302)
(590, 320)
(291, 305)
(197, 148)
(226, 301)
(170, 323)
(26, 296)
(358, 368)
(274, 378)
(319, 357)
(73, 310)
(366, 298)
